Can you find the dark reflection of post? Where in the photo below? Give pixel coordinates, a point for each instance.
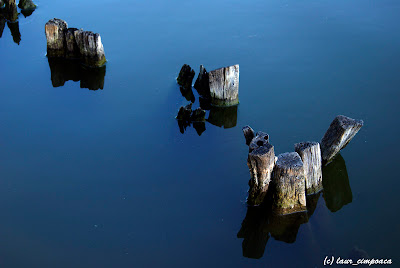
(14, 29)
(223, 116)
(27, 12)
(285, 227)
(337, 191)
(312, 202)
(188, 94)
(254, 232)
(2, 25)
(63, 70)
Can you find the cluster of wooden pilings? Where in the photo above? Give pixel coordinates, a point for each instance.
(289, 177)
(219, 93)
(73, 43)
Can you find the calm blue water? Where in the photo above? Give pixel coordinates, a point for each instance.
(105, 178)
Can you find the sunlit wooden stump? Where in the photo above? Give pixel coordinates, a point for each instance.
(310, 154)
(341, 131)
(55, 35)
(224, 86)
(289, 193)
(261, 163)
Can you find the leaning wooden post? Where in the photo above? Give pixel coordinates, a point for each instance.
(341, 131)
(261, 162)
(224, 86)
(185, 77)
(290, 192)
(55, 35)
(261, 139)
(310, 154)
(248, 134)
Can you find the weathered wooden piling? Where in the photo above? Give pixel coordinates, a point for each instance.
(90, 47)
(341, 131)
(310, 154)
(202, 84)
(71, 47)
(55, 35)
(224, 86)
(248, 134)
(185, 77)
(261, 139)
(289, 193)
(73, 43)
(26, 5)
(261, 163)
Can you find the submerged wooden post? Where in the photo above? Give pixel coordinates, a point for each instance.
(55, 35)
(261, 163)
(289, 194)
(90, 48)
(224, 86)
(248, 134)
(310, 154)
(341, 131)
(185, 77)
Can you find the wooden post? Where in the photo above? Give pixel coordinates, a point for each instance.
(248, 134)
(202, 83)
(310, 154)
(261, 163)
(340, 133)
(261, 139)
(55, 35)
(185, 77)
(90, 48)
(71, 47)
(224, 86)
(289, 194)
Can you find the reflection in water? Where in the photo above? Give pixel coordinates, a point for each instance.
(63, 70)
(261, 223)
(223, 116)
(200, 127)
(254, 232)
(188, 94)
(9, 14)
(335, 181)
(14, 28)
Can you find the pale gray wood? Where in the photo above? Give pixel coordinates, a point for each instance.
(55, 35)
(248, 134)
(310, 154)
(224, 86)
(90, 47)
(341, 131)
(289, 193)
(261, 163)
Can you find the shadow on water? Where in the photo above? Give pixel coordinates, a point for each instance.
(335, 181)
(261, 223)
(9, 14)
(63, 70)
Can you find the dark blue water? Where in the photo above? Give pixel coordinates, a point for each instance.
(105, 178)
